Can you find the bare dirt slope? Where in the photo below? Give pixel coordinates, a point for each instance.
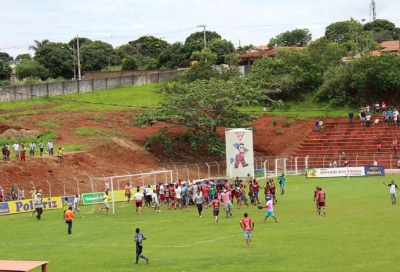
(110, 154)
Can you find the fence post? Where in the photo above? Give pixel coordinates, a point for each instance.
(208, 171)
(219, 174)
(77, 185)
(284, 165)
(323, 161)
(63, 186)
(295, 166)
(49, 187)
(198, 171)
(391, 155)
(276, 167)
(177, 173)
(357, 160)
(265, 168)
(306, 163)
(187, 172)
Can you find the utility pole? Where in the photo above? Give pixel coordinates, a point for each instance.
(204, 31)
(79, 57)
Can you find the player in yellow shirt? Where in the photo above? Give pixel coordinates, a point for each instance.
(106, 206)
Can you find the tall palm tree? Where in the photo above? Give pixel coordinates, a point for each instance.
(38, 44)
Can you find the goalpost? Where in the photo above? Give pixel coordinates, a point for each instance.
(115, 185)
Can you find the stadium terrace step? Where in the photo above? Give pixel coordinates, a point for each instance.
(357, 141)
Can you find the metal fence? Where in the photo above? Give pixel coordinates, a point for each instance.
(266, 166)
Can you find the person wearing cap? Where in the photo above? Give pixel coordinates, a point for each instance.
(60, 155)
(270, 210)
(39, 205)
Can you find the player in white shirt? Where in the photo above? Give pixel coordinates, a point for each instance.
(155, 201)
(138, 197)
(178, 197)
(393, 187)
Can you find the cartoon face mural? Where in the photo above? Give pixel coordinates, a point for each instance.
(239, 152)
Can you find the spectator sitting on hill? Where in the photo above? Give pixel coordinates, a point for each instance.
(376, 122)
(316, 128)
(375, 163)
(334, 164)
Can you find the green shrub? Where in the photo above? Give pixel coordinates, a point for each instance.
(274, 122)
(279, 132)
(289, 123)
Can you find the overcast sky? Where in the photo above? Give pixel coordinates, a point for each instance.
(119, 21)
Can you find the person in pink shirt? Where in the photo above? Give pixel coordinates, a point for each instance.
(270, 210)
(226, 199)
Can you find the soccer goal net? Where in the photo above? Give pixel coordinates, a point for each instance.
(115, 186)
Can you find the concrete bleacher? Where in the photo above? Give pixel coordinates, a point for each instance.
(356, 140)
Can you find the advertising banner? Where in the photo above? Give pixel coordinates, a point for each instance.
(239, 152)
(335, 172)
(96, 198)
(374, 170)
(27, 205)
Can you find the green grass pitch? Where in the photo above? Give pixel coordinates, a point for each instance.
(360, 233)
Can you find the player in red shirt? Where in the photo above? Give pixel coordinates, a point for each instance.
(315, 197)
(171, 198)
(247, 224)
(215, 203)
(255, 187)
(321, 198)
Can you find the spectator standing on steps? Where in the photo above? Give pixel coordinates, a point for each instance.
(367, 120)
(351, 115)
(378, 144)
(362, 117)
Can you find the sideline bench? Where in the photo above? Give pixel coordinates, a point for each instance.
(22, 266)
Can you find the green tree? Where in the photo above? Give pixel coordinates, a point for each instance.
(5, 70)
(55, 58)
(129, 63)
(221, 48)
(126, 50)
(38, 44)
(195, 42)
(5, 57)
(31, 68)
(325, 53)
(149, 46)
(203, 106)
(297, 37)
(23, 56)
(172, 57)
(383, 30)
(291, 74)
(362, 81)
(98, 55)
(205, 55)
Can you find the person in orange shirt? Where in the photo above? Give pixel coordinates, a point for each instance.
(69, 217)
